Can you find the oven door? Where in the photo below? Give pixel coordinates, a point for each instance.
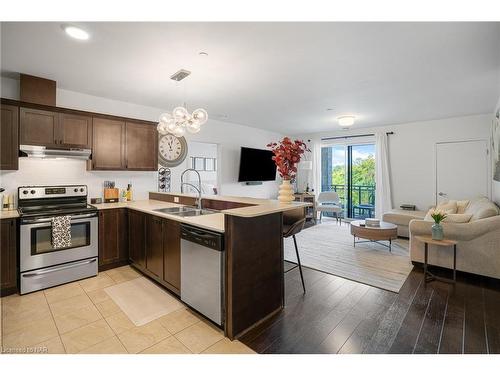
(36, 250)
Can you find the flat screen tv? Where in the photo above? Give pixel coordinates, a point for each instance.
(256, 165)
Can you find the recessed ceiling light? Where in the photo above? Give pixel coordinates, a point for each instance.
(203, 53)
(76, 32)
(346, 120)
(329, 109)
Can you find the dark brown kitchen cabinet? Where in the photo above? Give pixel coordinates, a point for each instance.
(108, 144)
(75, 130)
(137, 238)
(8, 256)
(38, 127)
(9, 137)
(154, 246)
(172, 253)
(141, 147)
(113, 238)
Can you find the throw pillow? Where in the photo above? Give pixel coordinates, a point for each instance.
(449, 207)
(462, 206)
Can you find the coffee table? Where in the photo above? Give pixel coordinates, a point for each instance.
(385, 232)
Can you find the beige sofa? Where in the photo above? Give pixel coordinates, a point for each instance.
(402, 219)
(478, 248)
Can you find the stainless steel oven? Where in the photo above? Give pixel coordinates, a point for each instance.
(42, 265)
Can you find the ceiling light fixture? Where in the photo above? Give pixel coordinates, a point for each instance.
(76, 32)
(346, 120)
(203, 53)
(180, 119)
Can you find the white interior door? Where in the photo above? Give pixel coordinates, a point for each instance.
(462, 170)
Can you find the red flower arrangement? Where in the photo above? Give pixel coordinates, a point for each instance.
(287, 154)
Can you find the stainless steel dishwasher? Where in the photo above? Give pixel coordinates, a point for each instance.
(202, 271)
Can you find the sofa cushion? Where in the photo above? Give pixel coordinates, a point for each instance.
(482, 208)
(450, 218)
(402, 217)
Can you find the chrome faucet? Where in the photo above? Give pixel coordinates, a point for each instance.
(198, 189)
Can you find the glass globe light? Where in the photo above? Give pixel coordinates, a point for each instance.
(193, 127)
(180, 113)
(179, 131)
(200, 115)
(171, 126)
(162, 128)
(165, 117)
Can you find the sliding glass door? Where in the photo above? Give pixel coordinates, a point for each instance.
(349, 169)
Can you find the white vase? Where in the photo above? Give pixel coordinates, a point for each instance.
(286, 192)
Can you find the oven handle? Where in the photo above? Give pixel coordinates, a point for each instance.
(56, 269)
(48, 220)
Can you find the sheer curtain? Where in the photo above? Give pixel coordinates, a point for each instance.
(315, 176)
(383, 200)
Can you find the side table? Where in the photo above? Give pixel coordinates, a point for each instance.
(428, 276)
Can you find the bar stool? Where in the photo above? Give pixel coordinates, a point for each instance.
(290, 230)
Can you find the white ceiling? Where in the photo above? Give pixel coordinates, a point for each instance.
(276, 76)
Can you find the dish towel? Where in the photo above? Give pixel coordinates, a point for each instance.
(61, 232)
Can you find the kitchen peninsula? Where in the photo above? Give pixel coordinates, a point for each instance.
(253, 283)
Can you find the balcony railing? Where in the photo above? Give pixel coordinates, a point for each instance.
(363, 199)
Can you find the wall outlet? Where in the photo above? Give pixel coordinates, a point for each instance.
(176, 199)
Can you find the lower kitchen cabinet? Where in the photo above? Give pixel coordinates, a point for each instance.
(172, 253)
(137, 238)
(113, 238)
(154, 246)
(8, 256)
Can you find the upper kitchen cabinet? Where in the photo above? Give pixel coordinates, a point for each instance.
(75, 130)
(108, 145)
(141, 147)
(9, 137)
(119, 145)
(38, 127)
(53, 129)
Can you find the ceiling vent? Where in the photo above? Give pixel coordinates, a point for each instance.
(180, 75)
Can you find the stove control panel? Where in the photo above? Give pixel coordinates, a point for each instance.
(38, 192)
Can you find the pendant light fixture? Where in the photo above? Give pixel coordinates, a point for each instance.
(180, 120)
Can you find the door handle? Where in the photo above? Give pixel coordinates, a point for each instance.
(40, 273)
(441, 194)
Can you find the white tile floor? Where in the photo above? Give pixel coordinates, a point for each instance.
(81, 318)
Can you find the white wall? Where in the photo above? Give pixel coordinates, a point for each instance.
(412, 153)
(228, 136)
(496, 184)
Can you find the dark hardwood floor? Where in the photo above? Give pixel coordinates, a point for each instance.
(341, 316)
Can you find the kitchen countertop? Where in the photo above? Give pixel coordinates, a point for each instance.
(13, 214)
(260, 206)
(214, 221)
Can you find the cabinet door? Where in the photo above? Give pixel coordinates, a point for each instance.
(108, 145)
(38, 127)
(8, 262)
(75, 130)
(172, 253)
(113, 236)
(154, 248)
(9, 130)
(141, 147)
(137, 237)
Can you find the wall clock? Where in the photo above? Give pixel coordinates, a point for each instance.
(171, 150)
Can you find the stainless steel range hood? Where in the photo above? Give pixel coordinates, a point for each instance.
(54, 153)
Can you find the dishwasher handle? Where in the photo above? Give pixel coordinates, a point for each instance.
(202, 237)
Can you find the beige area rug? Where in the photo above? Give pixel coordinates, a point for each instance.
(328, 247)
(142, 300)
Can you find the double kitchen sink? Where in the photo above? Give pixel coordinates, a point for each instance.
(186, 211)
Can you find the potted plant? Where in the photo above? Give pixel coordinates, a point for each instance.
(437, 228)
(287, 155)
